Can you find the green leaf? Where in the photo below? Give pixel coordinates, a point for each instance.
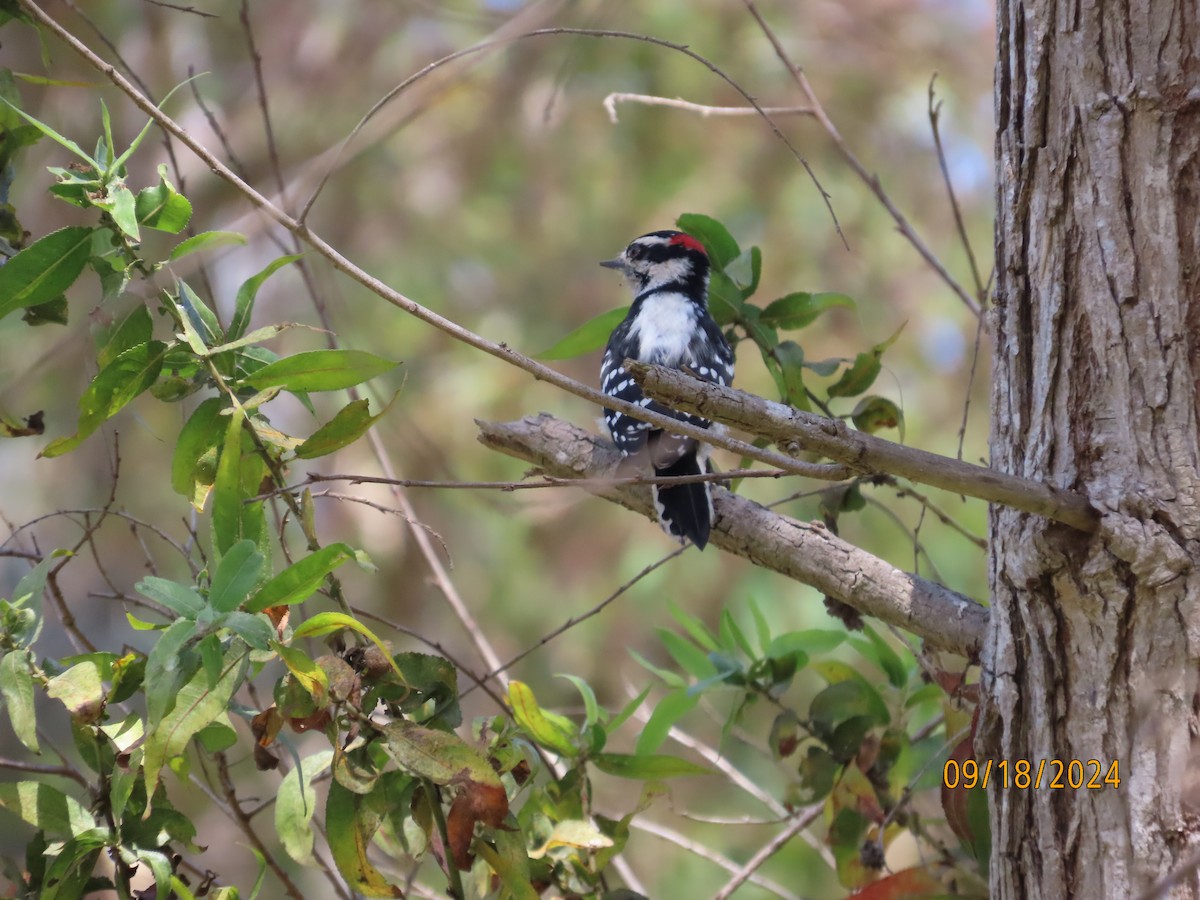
(127, 376)
(236, 574)
(121, 205)
(257, 336)
(725, 299)
(790, 357)
(856, 379)
(256, 630)
(320, 370)
(722, 248)
(590, 706)
(348, 842)
(205, 240)
(548, 731)
(440, 756)
(166, 669)
(801, 309)
(199, 316)
(46, 808)
(53, 135)
(53, 312)
(591, 335)
(16, 686)
(840, 702)
(80, 689)
(136, 328)
(199, 702)
(690, 658)
(232, 519)
(350, 423)
(864, 370)
(200, 435)
(310, 676)
(162, 207)
(812, 641)
(875, 413)
(179, 598)
(667, 712)
(45, 269)
(246, 294)
(300, 580)
(295, 803)
(885, 657)
(648, 768)
(745, 271)
(509, 860)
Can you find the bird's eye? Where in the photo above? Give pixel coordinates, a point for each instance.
(633, 251)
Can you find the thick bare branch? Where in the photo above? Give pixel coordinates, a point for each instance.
(863, 452)
(805, 552)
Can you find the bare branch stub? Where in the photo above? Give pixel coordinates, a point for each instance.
(805, 552)
(863, 452)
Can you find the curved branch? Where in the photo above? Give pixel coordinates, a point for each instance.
(806, 552)
(863, 452)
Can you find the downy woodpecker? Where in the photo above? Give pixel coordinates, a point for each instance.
(669, 324)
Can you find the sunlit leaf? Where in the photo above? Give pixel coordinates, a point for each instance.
(295, 803)
(199, 702)
(46, 808)
(546, 730)
(16, 687)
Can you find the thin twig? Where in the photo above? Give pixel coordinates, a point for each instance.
(871, 181)
(611, 101)
(719, 859)
(453, 329)
(935, 109)
(19, 765)
(777, 843)
(583, 617)
(547, 481)
(594, 33)
(867, 453)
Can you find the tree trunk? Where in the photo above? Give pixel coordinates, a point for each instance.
(1093, 646)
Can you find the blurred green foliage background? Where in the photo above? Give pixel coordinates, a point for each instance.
(487, 192)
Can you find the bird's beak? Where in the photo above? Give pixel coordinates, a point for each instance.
(613, 264)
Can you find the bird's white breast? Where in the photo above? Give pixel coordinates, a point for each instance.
(664, 327)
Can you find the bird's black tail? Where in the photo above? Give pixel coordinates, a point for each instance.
(685, 510)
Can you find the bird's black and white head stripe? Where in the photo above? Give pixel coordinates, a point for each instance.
(669, 324)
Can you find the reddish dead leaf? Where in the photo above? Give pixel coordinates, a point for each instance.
(279, 616)
(954, 799)
(265, 726)
(264, 759)
(318, 719)
(910, 884)
(475, 803)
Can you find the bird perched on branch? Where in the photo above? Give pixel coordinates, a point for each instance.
(669, 324)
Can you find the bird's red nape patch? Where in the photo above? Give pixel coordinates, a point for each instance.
(686, 240)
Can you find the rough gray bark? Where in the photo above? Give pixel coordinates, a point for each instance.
(1094, 640)
(808, 552)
